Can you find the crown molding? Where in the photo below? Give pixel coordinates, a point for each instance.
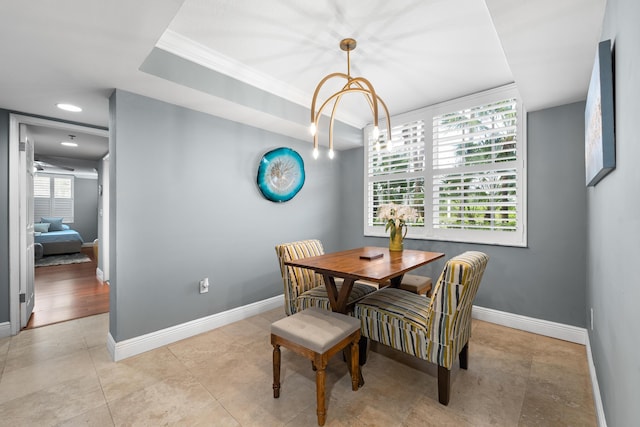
(198, 53)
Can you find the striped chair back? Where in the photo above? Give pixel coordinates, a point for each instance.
(298, 280)
(449, 326)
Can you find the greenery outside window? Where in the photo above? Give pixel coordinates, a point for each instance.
(461, 164)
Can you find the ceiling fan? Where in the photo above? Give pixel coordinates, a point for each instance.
(43, 163)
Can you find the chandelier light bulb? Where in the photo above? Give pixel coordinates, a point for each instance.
(331, 154)
(376, 132)
(315, 153)
(312, 129)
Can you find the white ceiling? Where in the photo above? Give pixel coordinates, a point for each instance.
(414, 52)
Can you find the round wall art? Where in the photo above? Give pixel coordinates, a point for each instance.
(280, 174)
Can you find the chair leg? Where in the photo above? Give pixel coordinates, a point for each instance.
(276, 371)
(444, 384)
(464, 357)
(320, 386)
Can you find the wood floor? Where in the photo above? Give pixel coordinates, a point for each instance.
(65, 292)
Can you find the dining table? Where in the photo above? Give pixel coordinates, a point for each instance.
(370, 263)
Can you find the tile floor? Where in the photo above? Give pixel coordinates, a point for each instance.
(61, 375)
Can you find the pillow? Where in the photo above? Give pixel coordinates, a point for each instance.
(65, 227)
(41, 227)
(56, 223)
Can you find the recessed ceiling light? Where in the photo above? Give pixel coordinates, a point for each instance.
(69, 107)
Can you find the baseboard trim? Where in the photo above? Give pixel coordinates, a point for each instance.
(5, 329)
(597, 399)
(529, 324)
(99, 275)
(131, 347)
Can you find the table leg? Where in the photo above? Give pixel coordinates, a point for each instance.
(395, 282)
(338, 301)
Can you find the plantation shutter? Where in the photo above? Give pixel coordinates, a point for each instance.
(461, 164)
(41, 197)
(475, 168)
(53, 197)
(396, 171)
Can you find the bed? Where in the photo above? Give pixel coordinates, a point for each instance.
(62, 240)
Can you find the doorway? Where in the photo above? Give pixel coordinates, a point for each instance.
(68, 291)
(47, 135)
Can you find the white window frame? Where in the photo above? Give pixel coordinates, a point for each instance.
(426, 230)
(67, 211)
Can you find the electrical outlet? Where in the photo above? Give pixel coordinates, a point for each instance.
(592, 318)
(204, 285)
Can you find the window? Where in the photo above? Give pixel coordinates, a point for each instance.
(461, 164)
(53, 196)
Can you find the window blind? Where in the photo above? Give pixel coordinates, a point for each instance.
(53, 197)
(460, 163)
(396, 171)
(472, 186)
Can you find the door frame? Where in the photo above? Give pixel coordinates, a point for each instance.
(17, 259)
(25, 181)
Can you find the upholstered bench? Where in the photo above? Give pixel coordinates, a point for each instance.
(317, 335)
(420, 285)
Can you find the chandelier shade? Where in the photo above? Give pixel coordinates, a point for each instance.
(352, 85)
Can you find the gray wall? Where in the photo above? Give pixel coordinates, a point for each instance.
(185, 205)
(86, 208)
(614, 232)
(546, 280)
(4, 216)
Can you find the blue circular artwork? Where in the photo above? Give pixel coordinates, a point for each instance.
(280, 174)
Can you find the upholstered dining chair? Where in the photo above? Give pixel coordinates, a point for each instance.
(303, 288)
(435, 329)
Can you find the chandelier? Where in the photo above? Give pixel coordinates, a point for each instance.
(353, 84)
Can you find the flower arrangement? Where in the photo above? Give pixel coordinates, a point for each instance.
(396, 217)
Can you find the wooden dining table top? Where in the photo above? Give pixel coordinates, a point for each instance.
(377, 264)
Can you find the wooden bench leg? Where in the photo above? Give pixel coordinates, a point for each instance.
(276, 371)
(320, 386)
(355, 366)
(444, 384)
(464, 357)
